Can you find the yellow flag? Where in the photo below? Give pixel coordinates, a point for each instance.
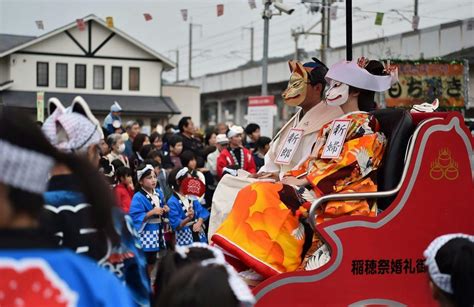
(110, 22)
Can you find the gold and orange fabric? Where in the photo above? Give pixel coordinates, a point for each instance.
(264, 230)
(353, 171)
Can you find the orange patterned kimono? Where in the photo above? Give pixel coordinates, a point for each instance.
(264, 230)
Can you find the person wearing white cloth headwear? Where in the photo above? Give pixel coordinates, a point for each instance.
(113, 119)
(147, 211)
(68, 214)
(198, 275)
(450, 263)
(221, 142)
(235, 156)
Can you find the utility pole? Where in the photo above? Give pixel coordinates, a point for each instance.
(323, 31)
(251, 42)
(349, 30)
(267, 14)
(190, 50)
(177, 65)
(301, 31)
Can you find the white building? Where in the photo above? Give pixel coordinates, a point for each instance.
(101, 64)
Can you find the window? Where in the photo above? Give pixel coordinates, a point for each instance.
(61, 75)
(134, 79)
(116, 78)
(98, 77)
(42, 74)
(80, 76)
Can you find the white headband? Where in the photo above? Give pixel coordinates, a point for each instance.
(143, 171)
(182, 172)
(24, 169)
(443, 281)
(238, 286)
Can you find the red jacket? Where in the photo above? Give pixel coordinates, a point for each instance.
(225, 159)
(124, 196)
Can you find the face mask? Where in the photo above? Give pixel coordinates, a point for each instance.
(295, 93)
(121, 148)
(337, 94)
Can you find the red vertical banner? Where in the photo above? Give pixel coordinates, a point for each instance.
(81, 25)
(220, 10)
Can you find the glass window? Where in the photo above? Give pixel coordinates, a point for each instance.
(80, 76)
(134, 79)
(116, 78)
(61, 75)
(98, 77)
(42, 74)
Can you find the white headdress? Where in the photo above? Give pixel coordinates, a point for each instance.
(24, 169)
(234, 130)
(238, 286)
(353, 73)
(443, 281)
(144, 170)
(71, 129)
(181, 173)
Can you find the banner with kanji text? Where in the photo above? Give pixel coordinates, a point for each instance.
(424, 81)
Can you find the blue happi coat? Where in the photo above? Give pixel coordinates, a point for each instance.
(178, 213)
(150, 231)
(53, 277)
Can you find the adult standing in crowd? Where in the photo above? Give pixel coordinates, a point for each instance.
(117, 146)
(190, 142)
(113, 119)
(252, 134)
(222, 128)
(235, 156)
(221, 143)
(132, 129)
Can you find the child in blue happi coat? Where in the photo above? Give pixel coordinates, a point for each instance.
(186, 216)
(147, 211)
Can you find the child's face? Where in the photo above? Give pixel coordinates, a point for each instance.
(157, 159)
(157, 170)
(177, 149)
(192, 164)
(158, 143)
(149, 182)
(127, 180)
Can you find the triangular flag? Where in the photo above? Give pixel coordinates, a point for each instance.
(252, 4)
(81, 25)
(333, 12)
(220, 10)
(109, 21)
(39, 24)
(378, 19)
(184, 13)
(147, 17)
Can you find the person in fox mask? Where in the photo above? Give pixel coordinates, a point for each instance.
(266, 231)
(305, 92)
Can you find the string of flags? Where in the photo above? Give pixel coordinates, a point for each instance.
(109, 20)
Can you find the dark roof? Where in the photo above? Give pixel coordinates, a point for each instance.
(146, 105)
(9, 41)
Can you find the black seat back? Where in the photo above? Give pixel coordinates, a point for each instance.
(397, 125)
